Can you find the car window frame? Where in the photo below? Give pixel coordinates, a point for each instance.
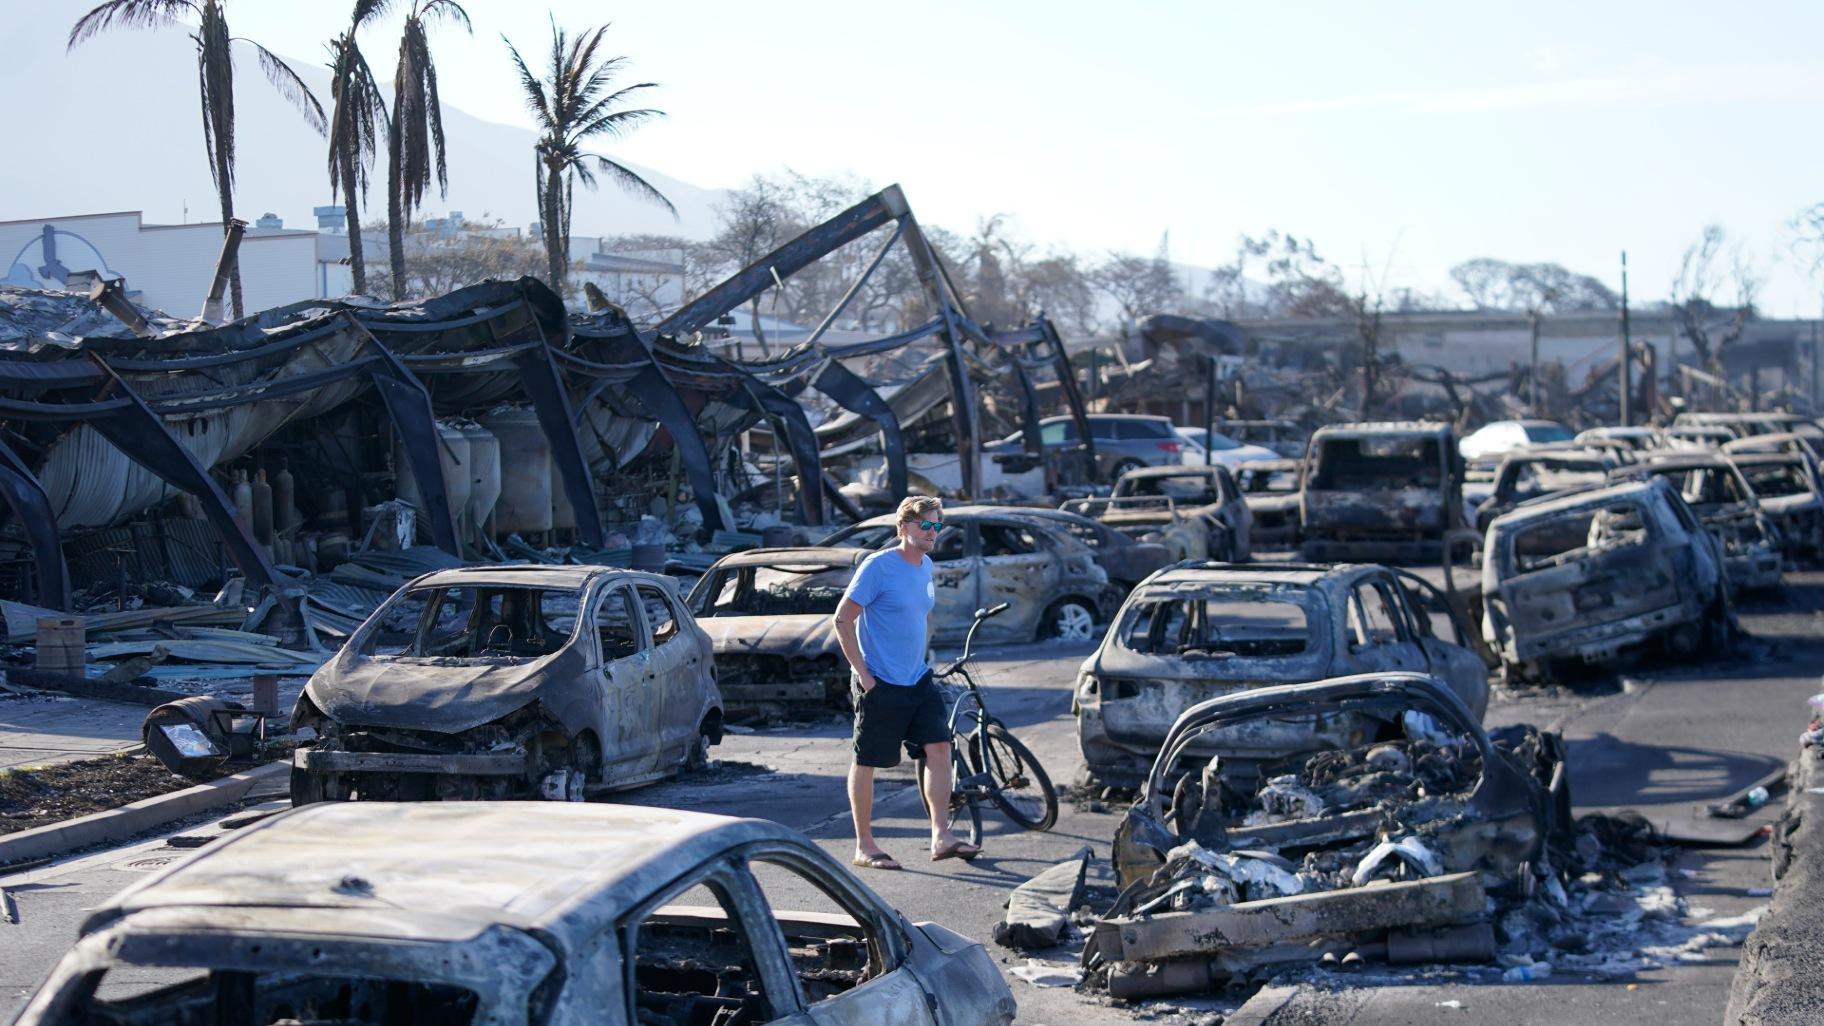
(652, 633)
(643, 634)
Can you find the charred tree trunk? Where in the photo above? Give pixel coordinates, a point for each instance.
(556, 259)
(395, 216)
(234, 273)
(357, 261)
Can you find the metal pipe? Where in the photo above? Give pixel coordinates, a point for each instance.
(224, 269)
(111, 295)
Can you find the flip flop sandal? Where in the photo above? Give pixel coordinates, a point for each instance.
(878, 860)
(960, 850)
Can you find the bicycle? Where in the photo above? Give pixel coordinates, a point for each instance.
(986, 761)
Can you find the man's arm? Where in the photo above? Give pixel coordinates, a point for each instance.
(847, 612)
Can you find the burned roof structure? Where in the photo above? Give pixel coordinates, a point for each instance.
(102, 421)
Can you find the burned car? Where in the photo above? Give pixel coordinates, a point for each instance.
(987, 555)
(1270, 488)
(1389, 840)
(513, 914)
(1788, 487)
(1126, 561)
(1389, 492)
(768, 615)
(1195, 512)
(508, 682)
(1197, 631)
(1585, 575)
(1527, 474)
(1716, 491)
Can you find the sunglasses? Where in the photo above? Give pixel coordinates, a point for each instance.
(930, 525)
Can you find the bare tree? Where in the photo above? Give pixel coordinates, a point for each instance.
(1541, 288)
(1710, 265)
(441, 262)
(1139, 286)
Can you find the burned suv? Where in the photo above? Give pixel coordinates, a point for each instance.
(509, 682)
(1389, 492)
(1584, 575)
(1197, 631)
(1195, 512)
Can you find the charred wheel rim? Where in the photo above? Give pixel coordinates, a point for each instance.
(1072, 620)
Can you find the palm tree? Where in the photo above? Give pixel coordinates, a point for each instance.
(357, 118)
(215, 77)
(414, 142)
(571, 107)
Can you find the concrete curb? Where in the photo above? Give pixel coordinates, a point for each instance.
(1777, 982)
(117, 824)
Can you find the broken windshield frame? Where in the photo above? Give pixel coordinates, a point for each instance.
(491, 622)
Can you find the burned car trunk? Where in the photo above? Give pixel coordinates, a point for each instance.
(769, 615)
(1388, 492)
(1198, 631)
(509, 682)
(1270, 488)
(1230, 866)
(1583, 576)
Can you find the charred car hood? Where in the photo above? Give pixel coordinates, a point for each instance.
(789, 636)
(446, 696)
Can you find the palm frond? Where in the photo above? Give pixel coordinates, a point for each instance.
(290, 86)
(448, 9)
(632, 182)
(128, 14)
(531, 86)
(601, 119)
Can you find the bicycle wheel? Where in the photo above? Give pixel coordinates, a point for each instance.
(963, 807)
(1016, 781)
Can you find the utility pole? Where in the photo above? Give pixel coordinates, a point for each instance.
(1626, 367)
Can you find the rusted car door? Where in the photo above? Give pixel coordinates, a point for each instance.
(629, 735)
(955, 581)
(1020, 570)
(671, 678)
(1379, 634)
(1622, 570)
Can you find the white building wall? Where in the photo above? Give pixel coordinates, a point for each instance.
(170, 267)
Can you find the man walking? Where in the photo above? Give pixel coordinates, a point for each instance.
(896, 701)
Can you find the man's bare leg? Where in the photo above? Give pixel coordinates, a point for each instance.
(937, 795)
(861, 809)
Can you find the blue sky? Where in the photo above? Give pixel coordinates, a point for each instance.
(1403, 137)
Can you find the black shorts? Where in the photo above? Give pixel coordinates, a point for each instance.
(895, 714)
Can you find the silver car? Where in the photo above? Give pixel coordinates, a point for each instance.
(511, 913)
(1123, 441)
(508, 682)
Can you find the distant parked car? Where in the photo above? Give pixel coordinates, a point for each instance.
(1123, 441)
(1127, 561)
(1271, 490)
(1790, 491)
(987, 555)
(1221, 449)
(1195, 512)
(1501, 436)
(1198, 631)
(513, 914)
(511, 682)
(1717, 492)
(1526, 474)
(1281, 436)
(1640, 439)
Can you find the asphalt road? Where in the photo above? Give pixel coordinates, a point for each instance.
(1657, 738)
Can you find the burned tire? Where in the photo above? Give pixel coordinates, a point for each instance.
(696, 757)
(1070, 619)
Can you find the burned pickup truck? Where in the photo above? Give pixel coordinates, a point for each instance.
(1388, 492)
(1585, 575)
(1195, 512)
(769, 614)
(1388, 842)
(1200, 630)
(510, 682)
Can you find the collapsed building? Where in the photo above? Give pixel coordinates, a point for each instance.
(141, 449)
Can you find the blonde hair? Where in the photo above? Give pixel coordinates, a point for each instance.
(918, 507)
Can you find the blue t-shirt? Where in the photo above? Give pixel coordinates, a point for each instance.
(895, 599)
